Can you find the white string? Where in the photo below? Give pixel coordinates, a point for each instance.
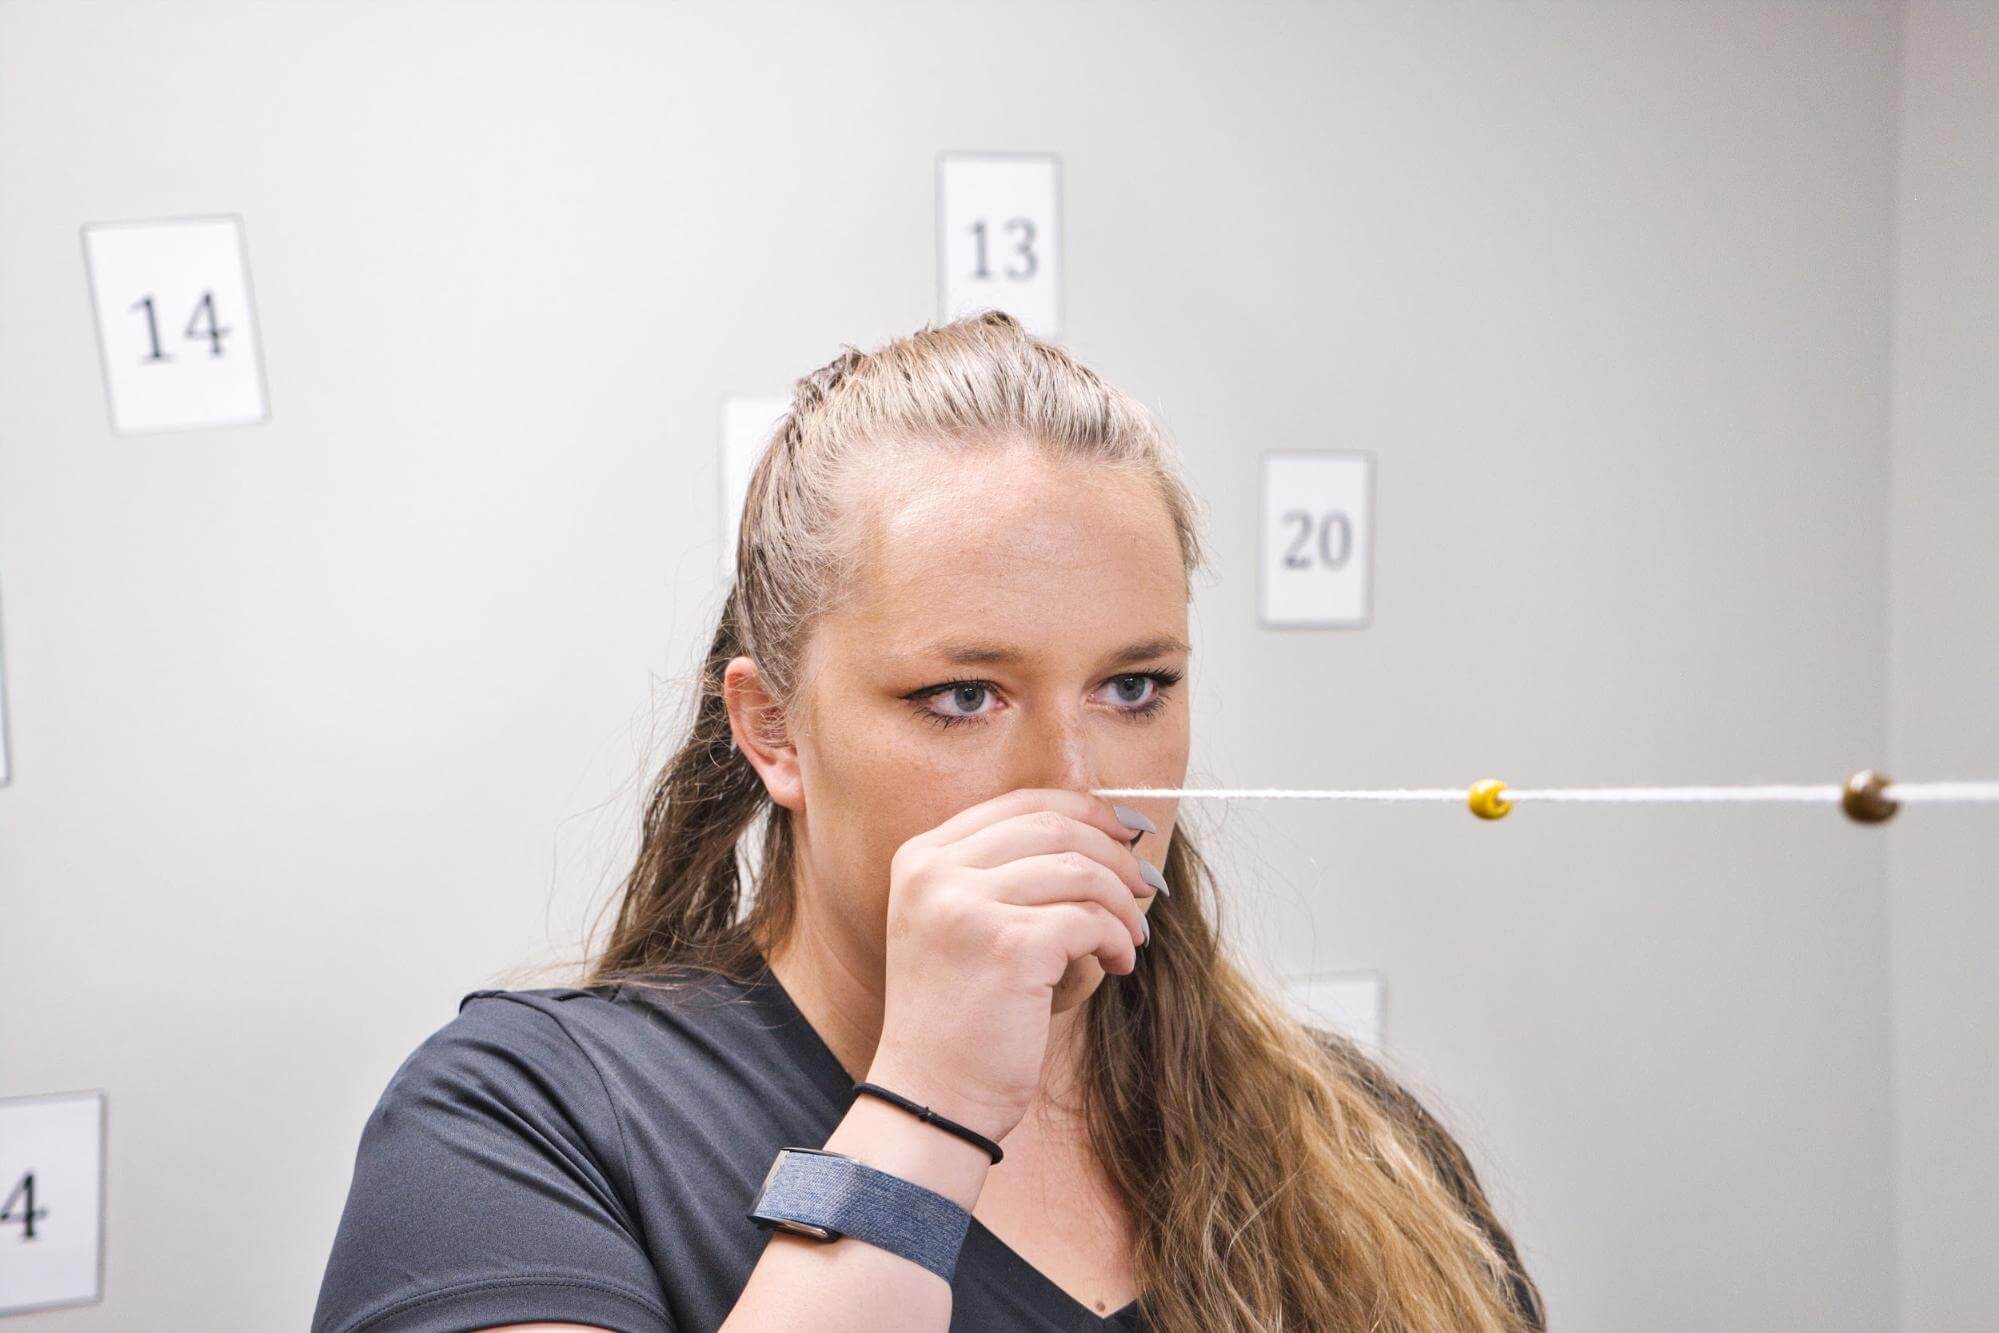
(1829, 792)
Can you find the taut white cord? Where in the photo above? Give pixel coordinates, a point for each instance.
(1867, 797)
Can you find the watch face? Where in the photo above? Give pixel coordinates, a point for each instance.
(792, 1225)
(770, 1175)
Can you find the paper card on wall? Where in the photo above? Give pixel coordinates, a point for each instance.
(6, 765)
(1349, 1002)
(1316, 569)
(51, 1201)
(747, 424)
(999, 237)
(175, 328)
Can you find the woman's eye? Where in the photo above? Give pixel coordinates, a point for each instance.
(1135, 699)
(967, 697)
(951, 704)
(1133, 689)
(1137, 694)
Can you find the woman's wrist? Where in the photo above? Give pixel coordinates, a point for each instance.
(891, 1139)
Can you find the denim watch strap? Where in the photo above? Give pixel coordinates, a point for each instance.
(854, 1199)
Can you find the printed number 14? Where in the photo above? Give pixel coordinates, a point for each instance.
(213, 332)
(25, 1193)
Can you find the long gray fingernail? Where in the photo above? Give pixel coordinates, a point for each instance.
(1145, 929)
(1131, 818)
(1150, 874)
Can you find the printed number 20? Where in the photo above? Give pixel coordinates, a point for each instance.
(1026, 248)
(1329, 525)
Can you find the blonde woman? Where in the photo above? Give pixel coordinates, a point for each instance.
(964, 1052)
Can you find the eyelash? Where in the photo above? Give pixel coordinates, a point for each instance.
(1162, 679)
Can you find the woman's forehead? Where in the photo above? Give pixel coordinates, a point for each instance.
(982, 607)
(1015, 549)
(1019, 525)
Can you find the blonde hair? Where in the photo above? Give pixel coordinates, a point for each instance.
(1278, 1178)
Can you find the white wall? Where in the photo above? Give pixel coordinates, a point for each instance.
(1943, 713)
(319, 724)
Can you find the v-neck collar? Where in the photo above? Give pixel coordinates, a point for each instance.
(830, 1076)
(827, 1073)
(1050, 1293)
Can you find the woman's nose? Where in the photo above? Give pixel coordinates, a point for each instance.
(1057, 754)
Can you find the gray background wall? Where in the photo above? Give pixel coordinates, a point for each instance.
(1944, 658)
(1670, 354)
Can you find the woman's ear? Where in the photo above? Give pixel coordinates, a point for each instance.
(758, 724)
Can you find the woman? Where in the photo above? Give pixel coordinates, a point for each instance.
(960, 603)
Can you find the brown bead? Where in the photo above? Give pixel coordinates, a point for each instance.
(1862, 799)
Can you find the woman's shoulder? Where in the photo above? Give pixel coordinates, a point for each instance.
(541, 1053)
(535, 1026)
(490, 1177)
(1401, 1105)
(553, 1064)
(587, 1017)
(573, 1012)
(1449, 1160)
(658, 1041)
(505, 1060)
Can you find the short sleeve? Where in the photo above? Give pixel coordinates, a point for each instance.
(483, 1189)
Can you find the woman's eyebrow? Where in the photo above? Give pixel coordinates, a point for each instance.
(969, 652)
(1146, 649)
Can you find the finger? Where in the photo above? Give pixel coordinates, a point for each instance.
(1079, 805)
(1081, 930)
(1041, 832)
(1060, 877)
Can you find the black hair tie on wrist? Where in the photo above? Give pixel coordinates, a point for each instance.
(971, 1136)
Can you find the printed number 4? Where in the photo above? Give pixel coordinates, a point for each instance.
(1026, 248)
(213, 332)
(25, 1192)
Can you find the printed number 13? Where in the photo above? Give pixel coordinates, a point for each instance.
(1026, 249)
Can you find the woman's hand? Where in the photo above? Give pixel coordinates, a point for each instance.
(986, 912)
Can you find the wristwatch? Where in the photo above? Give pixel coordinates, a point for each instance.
(828, 1195)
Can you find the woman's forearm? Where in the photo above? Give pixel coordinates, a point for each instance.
(848, 1285)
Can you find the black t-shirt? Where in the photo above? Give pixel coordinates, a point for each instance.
(590, 1155)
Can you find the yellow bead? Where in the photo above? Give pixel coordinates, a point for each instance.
(1486, 801)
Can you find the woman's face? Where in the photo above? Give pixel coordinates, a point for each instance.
(1004, 633)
